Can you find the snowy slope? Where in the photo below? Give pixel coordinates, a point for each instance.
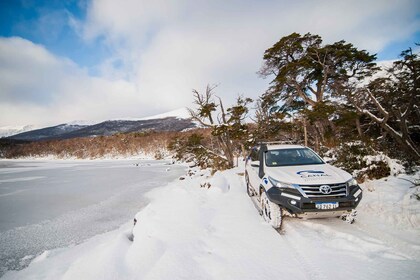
(193, 232)
(6, 131)
(48, 132)
(181, 113)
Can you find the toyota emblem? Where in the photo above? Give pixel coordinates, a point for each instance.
(325, 189)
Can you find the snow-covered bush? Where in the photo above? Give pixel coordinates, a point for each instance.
(363, 161)
(159, 155)
(193, 148)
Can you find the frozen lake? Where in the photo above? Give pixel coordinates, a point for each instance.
(51, 204)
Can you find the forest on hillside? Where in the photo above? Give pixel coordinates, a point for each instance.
(148, 144)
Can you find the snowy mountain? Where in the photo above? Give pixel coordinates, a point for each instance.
(46, 133)
(176, 120)
(181, 113)
(7, 131)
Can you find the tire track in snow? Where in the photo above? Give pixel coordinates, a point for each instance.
(299, 231)
(311, 270)
(322, 233)
(399, 245)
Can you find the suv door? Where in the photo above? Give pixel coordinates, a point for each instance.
(252, 169)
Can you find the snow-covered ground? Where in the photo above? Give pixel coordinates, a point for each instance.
(49, 204)
(190, 231)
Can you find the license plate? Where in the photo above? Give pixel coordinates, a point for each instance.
(326, 205)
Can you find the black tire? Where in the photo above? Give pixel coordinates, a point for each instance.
(271, 212)
(248, 186)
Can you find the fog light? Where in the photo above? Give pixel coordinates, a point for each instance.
(293, 202)
(356, 194)
(357, 199)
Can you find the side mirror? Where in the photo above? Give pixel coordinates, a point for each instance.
(329, 160)
(255, 163)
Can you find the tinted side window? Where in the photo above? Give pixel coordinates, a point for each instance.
(254, 153)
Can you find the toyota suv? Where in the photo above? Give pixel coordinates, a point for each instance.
(293, 179)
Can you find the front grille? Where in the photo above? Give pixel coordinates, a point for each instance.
(338, 190)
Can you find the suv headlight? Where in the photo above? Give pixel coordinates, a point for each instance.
(280, 184)
(351, 182)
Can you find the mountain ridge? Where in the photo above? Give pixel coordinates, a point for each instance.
(162, 122)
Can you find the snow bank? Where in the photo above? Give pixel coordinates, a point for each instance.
(207, 228)
(393, 200)
(186, 232)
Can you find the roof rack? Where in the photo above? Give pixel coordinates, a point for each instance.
(278, 142)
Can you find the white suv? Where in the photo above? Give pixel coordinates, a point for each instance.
(295, 179)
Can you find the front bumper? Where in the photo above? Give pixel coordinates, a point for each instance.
(296, 204)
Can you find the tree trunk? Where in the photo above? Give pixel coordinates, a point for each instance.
(227, 150)
(319, 130)
(305, 132)
(359, 128)
(406, 143)
(316, 143)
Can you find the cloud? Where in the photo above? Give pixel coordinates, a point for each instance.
(161, 50)
(26, 72)
(37, 87)
(130, 19)
(136, 21)
(168, 47)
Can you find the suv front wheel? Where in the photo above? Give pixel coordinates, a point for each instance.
(271, 212)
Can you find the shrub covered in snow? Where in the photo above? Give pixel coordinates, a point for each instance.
(363, 161)
(194, 148)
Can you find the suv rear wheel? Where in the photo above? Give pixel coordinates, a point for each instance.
(248, 187)
(271, 212)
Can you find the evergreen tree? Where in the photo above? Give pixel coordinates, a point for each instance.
(308, 76)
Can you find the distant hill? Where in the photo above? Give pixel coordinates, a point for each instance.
(106, 128)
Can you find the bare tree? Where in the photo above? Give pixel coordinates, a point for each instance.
(226, 124)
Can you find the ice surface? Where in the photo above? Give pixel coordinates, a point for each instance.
(50, 204)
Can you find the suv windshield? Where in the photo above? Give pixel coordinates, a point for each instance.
(287, 157)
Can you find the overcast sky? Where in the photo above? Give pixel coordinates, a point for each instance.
(62, 61)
